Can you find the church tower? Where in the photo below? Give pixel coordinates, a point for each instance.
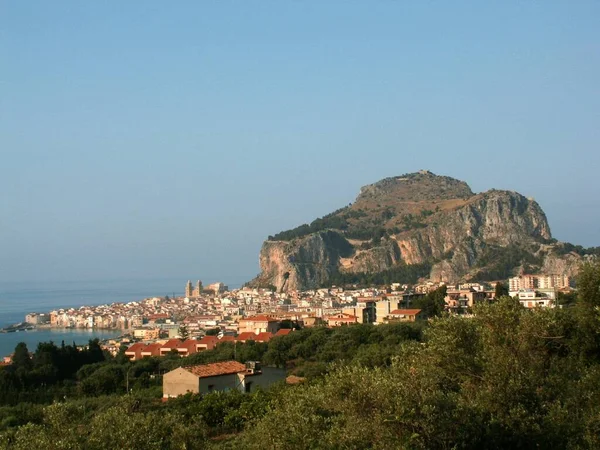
(198, 289)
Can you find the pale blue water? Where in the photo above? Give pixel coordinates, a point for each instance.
(18, 298)
(8, 341)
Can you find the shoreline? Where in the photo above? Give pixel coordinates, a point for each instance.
(24, 326)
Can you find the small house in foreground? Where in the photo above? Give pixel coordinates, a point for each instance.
(221, 376)
(405, 315)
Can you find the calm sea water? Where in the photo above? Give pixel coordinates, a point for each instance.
(18, 299)
(8, 341)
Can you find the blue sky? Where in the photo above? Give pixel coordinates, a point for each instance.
(168, 139)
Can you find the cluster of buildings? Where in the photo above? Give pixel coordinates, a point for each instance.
(187, 347)
(538, 290)
(528, 282)
(253, 310)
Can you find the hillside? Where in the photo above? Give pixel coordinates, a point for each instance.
(418, 225)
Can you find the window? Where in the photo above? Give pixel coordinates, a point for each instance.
(211, 387)
(248, 386)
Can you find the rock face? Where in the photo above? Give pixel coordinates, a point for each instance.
(412, 219)
(304, 262)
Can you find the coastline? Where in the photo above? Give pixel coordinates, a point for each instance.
(33, 337)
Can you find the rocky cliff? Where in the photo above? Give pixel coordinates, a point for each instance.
(420, 220)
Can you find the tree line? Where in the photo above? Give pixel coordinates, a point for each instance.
(507, 377)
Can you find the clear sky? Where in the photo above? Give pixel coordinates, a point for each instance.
(168, 139)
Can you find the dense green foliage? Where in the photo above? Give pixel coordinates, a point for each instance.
(500, 262)
(565, 247)
(508, 377)
(500, 290)
(433, 303)
(368, 229)
(335, 220)
(401, 273)
(49, 373)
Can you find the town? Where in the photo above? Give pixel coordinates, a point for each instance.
(206, 316)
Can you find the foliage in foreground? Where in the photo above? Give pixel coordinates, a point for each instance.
(507, 378)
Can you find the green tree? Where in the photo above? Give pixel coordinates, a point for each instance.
(587, 310)
(501, 290)
(21, 358)
(433, 303)
(183, 332)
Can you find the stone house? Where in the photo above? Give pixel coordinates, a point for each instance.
(221, 376)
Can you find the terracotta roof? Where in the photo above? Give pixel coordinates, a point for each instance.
(158, 316)
(264, 337)
(247, 335)
(153, 349)
(171, 343)
(261, 318)
(406, 312)
(189, 345)
(342, 317)
(227, 339)
(284, 332)
(216, 369)
(136, 347)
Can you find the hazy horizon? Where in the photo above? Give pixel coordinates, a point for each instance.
(169, 140)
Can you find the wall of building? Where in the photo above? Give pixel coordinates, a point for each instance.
(180, 382)
(264, 379)
(220, 383)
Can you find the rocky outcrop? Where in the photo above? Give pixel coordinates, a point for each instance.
(564, 264)
(415, 219)
(302, 263)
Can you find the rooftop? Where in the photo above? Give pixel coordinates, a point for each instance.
(216, 369)
(406, 312)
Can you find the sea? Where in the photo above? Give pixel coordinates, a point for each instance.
(20, 298)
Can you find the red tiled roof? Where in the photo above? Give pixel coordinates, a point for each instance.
(261, 318)
(284, 332)
(247, 335)
(342, 317)
(136, 347)
(153, 349)
(158, 316)
(171, 343)
(227, 339)
(216, 369)
(189, 345)
(264, 336)
(208, 341)
(406, 312)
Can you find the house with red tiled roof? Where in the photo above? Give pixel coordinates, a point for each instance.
(284, 332)
(340, 319)
(258, 324)
(221, 376)
(246, 336)
(206, 343)
(169, 346)
(134, 352)
(151, 350)
(187, 347)
(263, 337)
(405, 315)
